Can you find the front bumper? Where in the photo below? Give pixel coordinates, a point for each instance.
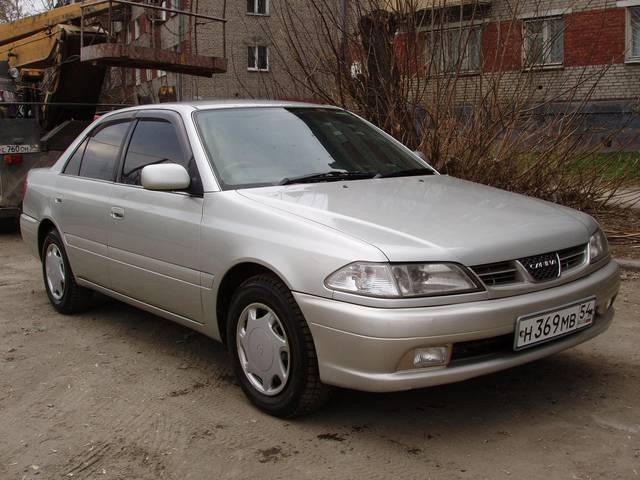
(361, 347)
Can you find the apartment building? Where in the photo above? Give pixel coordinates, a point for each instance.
(246, 39)
(578, 54)
(567, 50)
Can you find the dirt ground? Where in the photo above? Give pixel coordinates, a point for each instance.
(118, 393)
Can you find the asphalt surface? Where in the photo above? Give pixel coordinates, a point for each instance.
(117, 393)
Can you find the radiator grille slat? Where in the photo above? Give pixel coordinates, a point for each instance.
(572, 257)
(495, 274)
(506, 272)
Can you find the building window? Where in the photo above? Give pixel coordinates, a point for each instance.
(544, 42)
(258, 58)
(633, 34)
(258, 7)
(459, 49)
(136, 28)
(161, 73)
(174, 5)
(138, 76)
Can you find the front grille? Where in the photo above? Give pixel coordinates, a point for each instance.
(496, 274)
(542, 267)
(572, 257)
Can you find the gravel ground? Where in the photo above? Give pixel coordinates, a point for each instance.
(118, 393)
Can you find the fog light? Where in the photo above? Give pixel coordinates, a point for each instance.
(430, 356)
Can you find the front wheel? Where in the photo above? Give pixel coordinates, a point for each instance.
(63, 292)
(272, 348)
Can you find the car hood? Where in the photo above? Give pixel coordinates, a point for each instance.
(433, 218)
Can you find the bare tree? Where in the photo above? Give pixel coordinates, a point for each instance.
(420, 71)
(11, 10)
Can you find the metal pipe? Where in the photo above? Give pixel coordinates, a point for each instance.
(67, 104)
(171, 10)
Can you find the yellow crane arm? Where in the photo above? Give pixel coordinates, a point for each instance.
(25, 27)
(35, 51)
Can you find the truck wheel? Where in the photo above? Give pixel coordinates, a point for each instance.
(272, 349)
(9, 225)
(63, 292)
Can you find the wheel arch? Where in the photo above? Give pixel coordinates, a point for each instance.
(229, 283)
(45, 226)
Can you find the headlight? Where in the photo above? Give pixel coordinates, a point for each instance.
(598, 246)
(401, 280)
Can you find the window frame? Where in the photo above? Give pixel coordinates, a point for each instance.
(443, 70)
(196, 187)
(255, 11)
(256, 57)
(628, 36)
(546, 46)
(137, 28)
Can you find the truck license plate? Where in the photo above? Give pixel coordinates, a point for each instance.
(4, 149)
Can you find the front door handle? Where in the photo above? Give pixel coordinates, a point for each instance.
(117, 213)
(57, 199)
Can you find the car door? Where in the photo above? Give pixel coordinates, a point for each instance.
(82, 201)
(154, 236)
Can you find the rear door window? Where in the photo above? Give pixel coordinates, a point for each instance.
(103, 150)
(154, 141)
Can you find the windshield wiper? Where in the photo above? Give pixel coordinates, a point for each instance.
(325, 177)
(412, 172)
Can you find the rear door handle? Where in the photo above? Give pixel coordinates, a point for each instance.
(117, 213)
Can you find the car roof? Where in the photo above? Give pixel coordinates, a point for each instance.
(222, 104)
(190, 106)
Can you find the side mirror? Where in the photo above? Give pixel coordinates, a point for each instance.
(168, 176)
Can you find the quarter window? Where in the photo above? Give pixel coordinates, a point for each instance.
(258, 58)
(258, 7)
(544, 42)
(102, 151)
(633, 34)
(153, 141)
(73, 165)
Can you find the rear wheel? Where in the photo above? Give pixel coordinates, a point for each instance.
(272, 348)
(63, 292)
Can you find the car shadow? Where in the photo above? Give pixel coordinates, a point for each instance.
(562, 386)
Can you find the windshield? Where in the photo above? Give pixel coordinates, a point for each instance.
(274, 145)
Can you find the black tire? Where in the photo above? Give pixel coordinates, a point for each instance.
(303, 392)
(74, 298)
(9, 225)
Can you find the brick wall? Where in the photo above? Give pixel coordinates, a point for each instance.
(594, 37)
(502, 45)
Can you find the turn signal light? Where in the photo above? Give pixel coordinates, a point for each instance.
(13, 159)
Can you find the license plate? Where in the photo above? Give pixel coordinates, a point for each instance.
(544, 326)
(19, 149)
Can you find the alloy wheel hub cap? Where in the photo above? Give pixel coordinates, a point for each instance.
(263, 349)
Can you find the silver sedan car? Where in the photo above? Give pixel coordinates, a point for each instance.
(320, 250)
